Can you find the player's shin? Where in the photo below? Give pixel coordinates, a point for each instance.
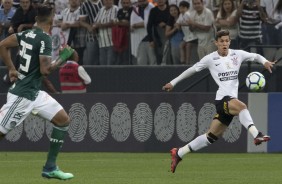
(197, 144)
(247, 121)
(56, 141)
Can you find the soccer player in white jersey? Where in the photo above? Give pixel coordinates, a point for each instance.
(224, 65)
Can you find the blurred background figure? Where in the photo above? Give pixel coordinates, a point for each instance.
(278, 17)
(250, 19)
(156, 28)
(6, 14)
(174, 34)
(201, 24)
(190, 39)
(104, 23)
(73, 77)
(60, 5)
(88, 12)
(227, 19)
(142, 53)
(269, 32)
(35, 3)
(73, 32)
(24, 17)
(270, 35)
(121, 33)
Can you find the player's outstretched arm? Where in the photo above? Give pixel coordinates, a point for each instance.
(187, 73)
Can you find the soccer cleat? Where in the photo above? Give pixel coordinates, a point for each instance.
(57, 174)
(261, 138)
(175, 159)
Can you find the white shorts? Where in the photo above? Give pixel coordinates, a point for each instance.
(16, 110)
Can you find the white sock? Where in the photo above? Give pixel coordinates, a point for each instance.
(199, 143)
(254, 131)
(183, 151)
(246, 120)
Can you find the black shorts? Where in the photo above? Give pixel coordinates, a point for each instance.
(222, 111)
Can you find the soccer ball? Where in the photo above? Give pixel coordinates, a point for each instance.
(255, 81)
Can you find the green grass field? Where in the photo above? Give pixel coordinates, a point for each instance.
(144, 168)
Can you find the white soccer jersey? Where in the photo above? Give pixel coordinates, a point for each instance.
(224, 70)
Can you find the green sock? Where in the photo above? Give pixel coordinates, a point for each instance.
(56, 141)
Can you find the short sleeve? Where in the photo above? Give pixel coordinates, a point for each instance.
(45, 47)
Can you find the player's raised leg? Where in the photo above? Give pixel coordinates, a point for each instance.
(236, 107)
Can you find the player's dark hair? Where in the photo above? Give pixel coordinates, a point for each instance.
(221, 33)
(43, 13)
(184, 4)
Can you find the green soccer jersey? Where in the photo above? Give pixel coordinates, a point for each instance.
(32, 44)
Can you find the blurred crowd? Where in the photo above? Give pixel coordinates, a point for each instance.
(149, 32)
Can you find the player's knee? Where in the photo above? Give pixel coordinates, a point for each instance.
(242, 106)
(65, 121)
(61, 119)
(211, 137)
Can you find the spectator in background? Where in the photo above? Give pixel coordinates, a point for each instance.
(104, 23)
(121, 33)
(269, 33)
(59, 5)
(35, 3)
(156, 28)
(73, 77)
(24, 17)
(6, 14)
(250, 17)
(177, 2)
(174, 33)
(138, 23)
(227, 19)
(88, 12)
(278, 17)
(190, 38)
(69, 24)
(213, 5)
(201, 24)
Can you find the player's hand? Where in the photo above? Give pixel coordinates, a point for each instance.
(168, 87)
(269, 65)
(13, 75)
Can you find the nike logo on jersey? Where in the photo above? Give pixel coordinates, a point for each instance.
(217, 64)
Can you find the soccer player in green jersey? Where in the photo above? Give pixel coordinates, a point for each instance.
(25, 95)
